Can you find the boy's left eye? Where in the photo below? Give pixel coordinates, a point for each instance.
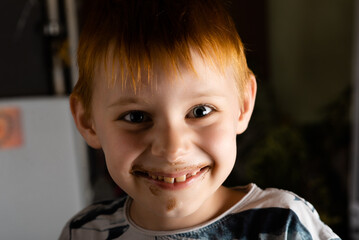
(200, 111)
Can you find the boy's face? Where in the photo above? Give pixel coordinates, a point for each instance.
(171, 144)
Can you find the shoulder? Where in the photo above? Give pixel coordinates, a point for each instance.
(281, 210)
(273, 197)
(100, 219)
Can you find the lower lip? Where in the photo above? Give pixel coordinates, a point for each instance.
(179, 185)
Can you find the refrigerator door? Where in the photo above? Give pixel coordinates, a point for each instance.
(43, 168)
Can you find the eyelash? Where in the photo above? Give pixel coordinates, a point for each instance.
(212, 109)
(147, 117)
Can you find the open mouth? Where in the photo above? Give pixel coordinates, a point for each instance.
(170, 179)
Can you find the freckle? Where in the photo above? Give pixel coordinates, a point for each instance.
(171, 204)
(154, 190)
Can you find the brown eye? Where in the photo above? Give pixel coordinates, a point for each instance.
(136, 117)
(200, 111)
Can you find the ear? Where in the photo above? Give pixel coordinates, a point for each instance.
(84, 123)
(249, 96)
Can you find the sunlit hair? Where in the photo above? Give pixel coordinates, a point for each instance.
(138, 37)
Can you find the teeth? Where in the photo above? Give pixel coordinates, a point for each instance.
(181, 178)
(169, 179)
(195, 173)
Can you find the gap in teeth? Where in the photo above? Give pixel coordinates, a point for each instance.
(172, 180)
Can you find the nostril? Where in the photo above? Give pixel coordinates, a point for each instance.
(168, 154)
(169, 149)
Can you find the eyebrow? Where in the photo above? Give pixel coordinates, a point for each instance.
(136, 100)
(127, 100)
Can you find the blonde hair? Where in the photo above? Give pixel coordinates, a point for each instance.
(141, 34)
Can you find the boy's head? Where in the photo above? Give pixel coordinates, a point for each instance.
(164, 89)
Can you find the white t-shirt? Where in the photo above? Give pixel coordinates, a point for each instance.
(261, 214)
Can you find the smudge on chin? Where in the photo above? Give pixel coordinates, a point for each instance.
(171, 204)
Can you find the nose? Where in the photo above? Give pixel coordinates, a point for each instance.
(170, 142)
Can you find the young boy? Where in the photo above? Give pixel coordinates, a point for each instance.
(164, 89)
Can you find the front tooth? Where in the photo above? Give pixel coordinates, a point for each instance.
(160, 178)
(181, 178)
(169, 179)
(154, 177)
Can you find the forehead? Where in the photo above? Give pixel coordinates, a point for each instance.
(112, 73)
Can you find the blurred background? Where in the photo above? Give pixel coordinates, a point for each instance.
(304, 133)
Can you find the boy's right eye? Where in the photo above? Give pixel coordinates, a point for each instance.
(135, 117)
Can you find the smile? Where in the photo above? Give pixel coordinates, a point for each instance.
(171, 178)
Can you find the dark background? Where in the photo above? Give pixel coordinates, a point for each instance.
(300, 51)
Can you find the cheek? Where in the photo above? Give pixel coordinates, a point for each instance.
(220, 142)
(120, 149)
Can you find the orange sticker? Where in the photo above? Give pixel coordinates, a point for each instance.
(10, 128)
